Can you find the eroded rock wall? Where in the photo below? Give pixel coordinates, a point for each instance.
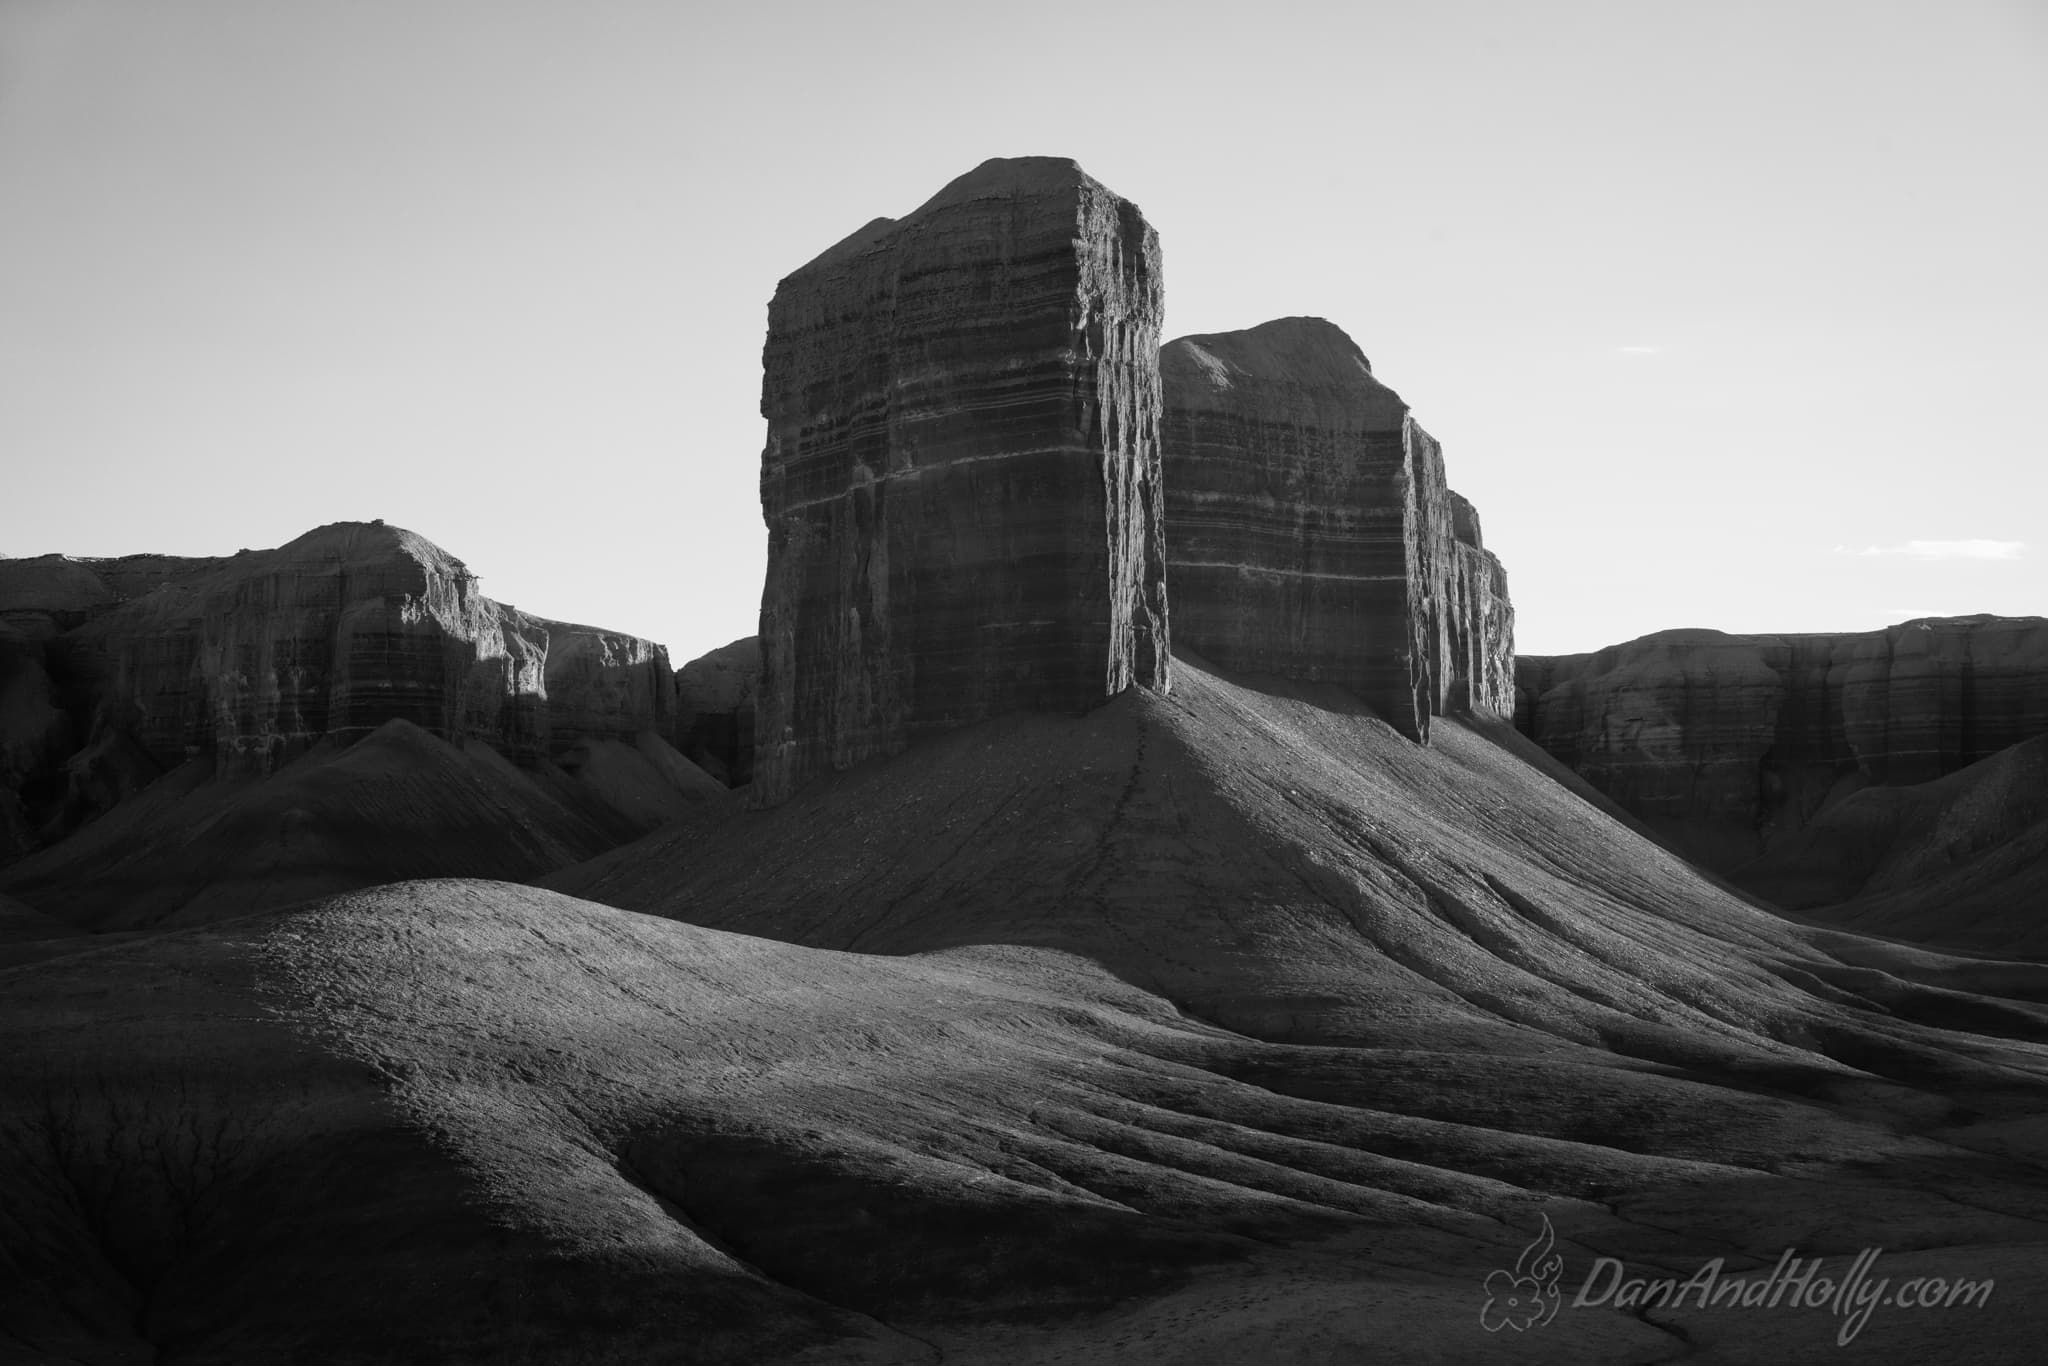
(961, 479)
(1726, 745)
(115, 671)
(335, 633)
(1478, 620)
(606, 685)
(1310, 532)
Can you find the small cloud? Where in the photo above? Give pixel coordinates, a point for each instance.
(1944, 550)
(1637, 349)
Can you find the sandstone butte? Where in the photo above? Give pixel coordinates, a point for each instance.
(1310, 534)
(113, 671)
(961, 477)
(1726, 746)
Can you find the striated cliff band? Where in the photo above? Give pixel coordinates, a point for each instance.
(229, 688)
(1761, 757)
(961, 477)
(1310, 534)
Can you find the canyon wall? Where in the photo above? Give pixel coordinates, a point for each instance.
(961, 476)
(1729, 746)
(715, 700)
(115, 671)
(1311, 535)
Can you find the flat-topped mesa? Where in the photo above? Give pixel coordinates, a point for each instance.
(115, 670)
(1729, 746)
(257, 657)
(961, 478)
(1310, 534)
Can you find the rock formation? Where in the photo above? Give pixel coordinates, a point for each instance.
(1476, 622)
(1310, 534)
(604, 684)
(961, 478)
(1727, 745)
(715, 700)
(115, 671)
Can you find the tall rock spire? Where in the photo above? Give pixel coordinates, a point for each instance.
(961, 479)
(1311, 533)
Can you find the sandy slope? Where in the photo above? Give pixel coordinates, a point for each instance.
(1280, 863)
(1961, 861)
(399, 803)
(1215, 1028)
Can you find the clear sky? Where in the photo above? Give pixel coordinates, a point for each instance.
(1728, 315)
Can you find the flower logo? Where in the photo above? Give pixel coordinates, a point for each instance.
(1526, 1297)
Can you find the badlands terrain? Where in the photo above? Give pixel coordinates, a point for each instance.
(1129, 905)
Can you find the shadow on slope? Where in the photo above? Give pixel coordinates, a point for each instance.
(399, 803)
(1199, 1028)
(1960, 861)
(26, 934)
(1281, 863)
(466, 1121)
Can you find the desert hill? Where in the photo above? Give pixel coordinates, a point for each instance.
(1960, 861)
(399, 803)
(1198, 1024)
(1277, 860)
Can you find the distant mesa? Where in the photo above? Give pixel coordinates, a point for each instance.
(117, 672)
(252, 658)
(961, 478)
(1310, 534)
(1762, 757)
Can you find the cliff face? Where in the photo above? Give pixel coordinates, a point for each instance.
(715, 702)
(961, 478)
(114, 671)
(604, 685)
(1478, 620)
(258, 657)
(1310, 533)
(1728, 746)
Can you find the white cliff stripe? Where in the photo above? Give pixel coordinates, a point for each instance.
(938, 465)
(1172, 564)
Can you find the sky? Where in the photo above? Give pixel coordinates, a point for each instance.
(1729, 315)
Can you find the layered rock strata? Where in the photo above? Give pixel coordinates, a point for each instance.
(114, 671)
(961, 477)
(1310, 532)
(1728, 745)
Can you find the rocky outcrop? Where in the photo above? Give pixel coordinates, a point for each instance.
(1477, 621)
(604, 684)
(1729, 746)
(1310, 533)
(45, 595)
(715, 700)
(961, 478)
(115, 671)
(256, 658)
